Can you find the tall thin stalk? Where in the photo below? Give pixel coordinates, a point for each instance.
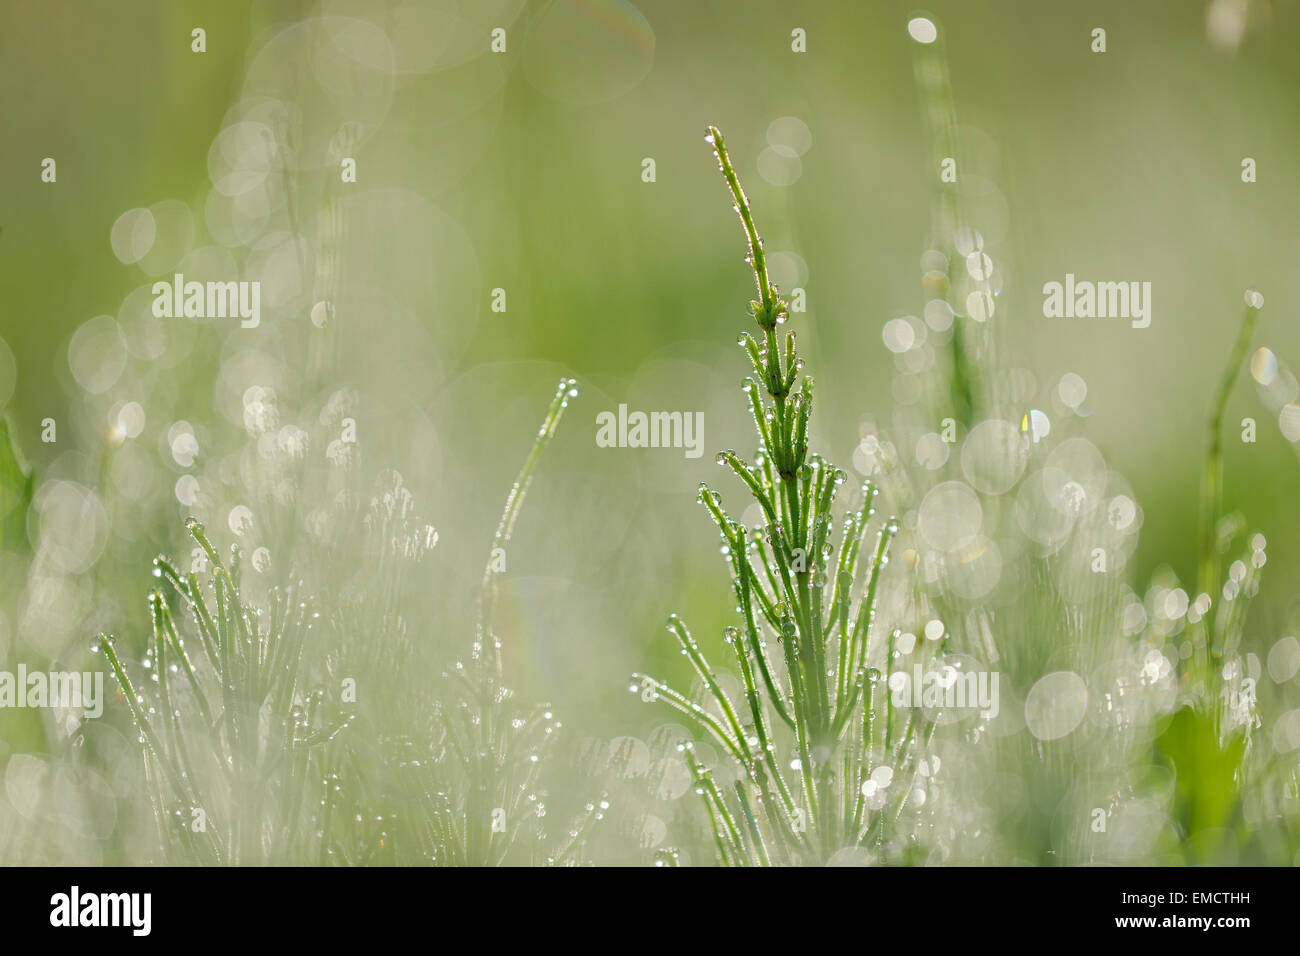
(1210, 548)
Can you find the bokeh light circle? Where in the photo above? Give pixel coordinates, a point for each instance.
(1056, 705)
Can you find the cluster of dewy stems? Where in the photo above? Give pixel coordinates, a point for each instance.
(224, 747)
(486, 802)
(817, 693)
(234, 736)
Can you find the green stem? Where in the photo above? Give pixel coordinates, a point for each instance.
(1212, 479)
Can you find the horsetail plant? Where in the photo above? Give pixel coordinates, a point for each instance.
(814, 726)
(227, 733)
(232, 737)
(481, 797)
